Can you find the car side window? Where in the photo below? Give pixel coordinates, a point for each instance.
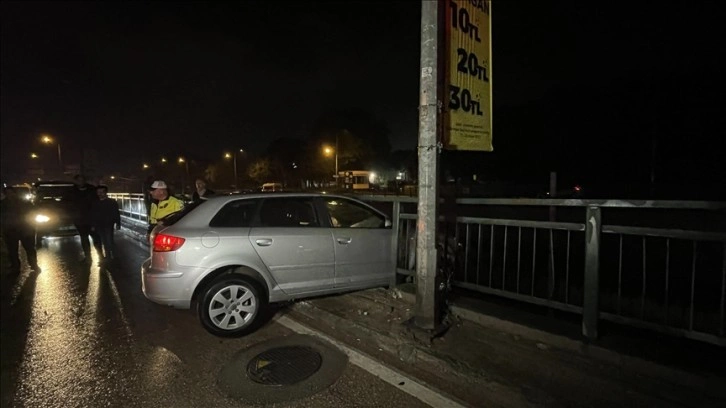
(236, 214)
(349, 214)
(288, 212)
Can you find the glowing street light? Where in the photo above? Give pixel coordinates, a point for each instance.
(163, 159)
(33, 156)
(145, 166)
(47, 139)
(181, 160)
(233, 156)
(328, 151)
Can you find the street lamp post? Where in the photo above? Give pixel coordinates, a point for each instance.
(48, 140)
(328, 152)
(233, 156)
(186, 180)
(337, 185)
(234, 166)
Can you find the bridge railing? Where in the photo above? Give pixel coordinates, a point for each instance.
(131, 206)
(659, 265)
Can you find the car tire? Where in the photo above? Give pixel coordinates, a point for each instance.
(230, 306)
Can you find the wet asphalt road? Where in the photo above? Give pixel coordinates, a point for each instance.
(85, 336)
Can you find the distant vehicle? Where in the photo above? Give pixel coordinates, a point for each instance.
(54, 210)
(271, 187)
(24, 191)
(235, 254)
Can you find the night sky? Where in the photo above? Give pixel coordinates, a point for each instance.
(579, 87)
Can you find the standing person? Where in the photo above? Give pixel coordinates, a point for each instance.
(163, 204)
(17, 227)
(84, 197)
(104, 214)
(147, 193)
(202, 192)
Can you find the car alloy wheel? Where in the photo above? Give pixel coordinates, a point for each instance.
(229, 306)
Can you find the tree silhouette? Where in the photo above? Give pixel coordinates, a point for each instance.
(260, 170)
(362, 139)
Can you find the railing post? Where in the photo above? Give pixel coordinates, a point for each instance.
(591, 306)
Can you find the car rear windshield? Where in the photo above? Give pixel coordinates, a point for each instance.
(55, 192)
(173, 218)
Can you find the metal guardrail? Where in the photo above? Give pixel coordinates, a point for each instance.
(671, 280)
(132, 206)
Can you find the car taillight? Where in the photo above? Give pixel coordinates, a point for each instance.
(167, 243)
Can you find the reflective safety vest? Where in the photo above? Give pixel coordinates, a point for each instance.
(163, 208)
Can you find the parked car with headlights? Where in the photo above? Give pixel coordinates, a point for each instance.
(54, 209)
(24, 191)
(233, 255)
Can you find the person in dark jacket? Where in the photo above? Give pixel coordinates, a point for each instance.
(17, 227)
(84, 197)
(148, 200)
(104, 215)
(202, 192)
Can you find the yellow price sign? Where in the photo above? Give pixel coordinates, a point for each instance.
(468, 86)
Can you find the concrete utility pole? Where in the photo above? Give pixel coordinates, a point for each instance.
(427, 314)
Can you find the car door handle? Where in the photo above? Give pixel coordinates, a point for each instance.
(264, 242)
(344, 240)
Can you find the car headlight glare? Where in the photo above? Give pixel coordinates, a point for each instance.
(41, 218)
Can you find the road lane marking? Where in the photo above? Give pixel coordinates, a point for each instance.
(399, 380)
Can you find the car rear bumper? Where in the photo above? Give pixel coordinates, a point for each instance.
(166, 288)
(56, 231)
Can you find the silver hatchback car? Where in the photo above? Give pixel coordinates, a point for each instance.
(235, 254)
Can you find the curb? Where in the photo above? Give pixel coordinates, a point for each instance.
(712, 386)
(391, 344)
(138, 234)
(402, 346)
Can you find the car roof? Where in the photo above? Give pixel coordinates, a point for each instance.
(235, 196)
(211, 205)
(54, 183)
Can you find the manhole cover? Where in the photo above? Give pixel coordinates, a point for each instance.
(299, 364)
(284, 365)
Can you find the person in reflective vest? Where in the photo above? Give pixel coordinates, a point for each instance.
(163, 203)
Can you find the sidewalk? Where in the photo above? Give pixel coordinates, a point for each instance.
(498, 363)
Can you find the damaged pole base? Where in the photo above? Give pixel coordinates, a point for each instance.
(424, 336)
